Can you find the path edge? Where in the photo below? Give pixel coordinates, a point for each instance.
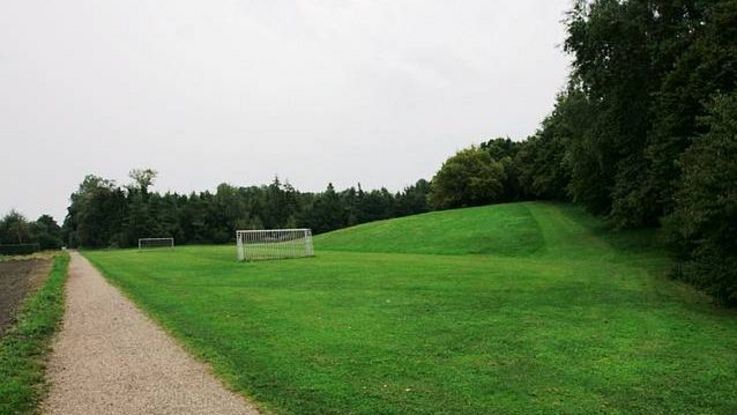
(222, 378)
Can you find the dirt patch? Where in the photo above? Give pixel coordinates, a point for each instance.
(17, 280)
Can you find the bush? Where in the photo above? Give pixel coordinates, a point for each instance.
(19, 249)
(469, 178)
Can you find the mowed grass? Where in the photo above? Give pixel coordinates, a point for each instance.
(543, 312)
(506, 230)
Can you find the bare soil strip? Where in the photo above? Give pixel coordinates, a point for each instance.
(109, 358)
(17, 280)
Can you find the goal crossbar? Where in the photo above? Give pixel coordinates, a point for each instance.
(264, 244)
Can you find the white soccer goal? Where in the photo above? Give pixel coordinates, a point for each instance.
(151, 243)
(274, 244)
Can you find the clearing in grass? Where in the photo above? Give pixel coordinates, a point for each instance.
(514, 309)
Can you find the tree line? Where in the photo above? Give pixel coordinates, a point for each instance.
(644, 134)
(15, 229)
(104, 214)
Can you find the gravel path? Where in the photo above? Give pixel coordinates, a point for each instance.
(109, 358)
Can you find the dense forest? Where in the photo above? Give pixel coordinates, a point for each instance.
(644, 134)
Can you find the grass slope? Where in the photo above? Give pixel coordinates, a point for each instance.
(508, 229)
(24, 347)
(560, 318)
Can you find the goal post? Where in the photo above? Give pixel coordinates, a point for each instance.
(152, 243)
(254, 245)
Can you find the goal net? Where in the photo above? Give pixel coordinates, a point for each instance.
(274, 244)
(152, 243)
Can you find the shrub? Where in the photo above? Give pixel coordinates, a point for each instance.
(19, 249)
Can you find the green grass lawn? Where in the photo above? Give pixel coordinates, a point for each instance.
(24, 348)
(511, 309)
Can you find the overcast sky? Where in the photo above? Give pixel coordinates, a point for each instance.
(205, 92)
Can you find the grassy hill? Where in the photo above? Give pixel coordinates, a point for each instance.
(513, 230)
(515, 309)
(503, 230)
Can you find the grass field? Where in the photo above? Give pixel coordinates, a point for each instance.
(24, 347)
(512, 309)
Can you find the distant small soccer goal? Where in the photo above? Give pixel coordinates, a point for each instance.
(274, 244)
(153, 243)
